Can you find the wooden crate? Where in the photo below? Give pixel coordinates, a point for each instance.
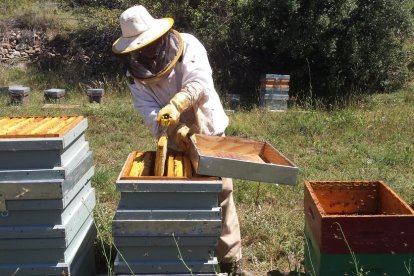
(368, 214)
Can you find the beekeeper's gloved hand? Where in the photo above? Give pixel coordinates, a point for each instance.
(183, 100)
(179, 135)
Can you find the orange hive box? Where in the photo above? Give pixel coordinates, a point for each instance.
(37, 127)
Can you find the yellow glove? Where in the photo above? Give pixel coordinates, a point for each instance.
(168, 115)
(179, 136)
(183, 100)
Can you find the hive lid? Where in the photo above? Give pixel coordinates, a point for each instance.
(241, 159)
(37, 127)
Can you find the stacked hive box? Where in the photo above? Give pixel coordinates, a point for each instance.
(169, 224)
(351, 226)
(46, 199)
(274, 91)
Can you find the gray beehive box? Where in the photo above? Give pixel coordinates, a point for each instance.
(95, 94)
(54, 94)
(18, 94)
(157, 213)
(46, 198)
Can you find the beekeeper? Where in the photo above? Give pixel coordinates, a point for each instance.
(170, 77)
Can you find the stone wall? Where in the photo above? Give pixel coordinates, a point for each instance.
(18, 45)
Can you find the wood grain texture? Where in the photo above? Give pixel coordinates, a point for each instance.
(41, 127)
(380, 230)
(137, 165)
(170, 165)
(161, 155)
(178, 165)
(188, 170)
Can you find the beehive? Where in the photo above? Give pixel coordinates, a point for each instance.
(18, 94)
(366, 218)
(54, 94)
(95, 95)
(157, 214)
(274, 91)
(46, 198)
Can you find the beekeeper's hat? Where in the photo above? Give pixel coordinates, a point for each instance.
(139, 29)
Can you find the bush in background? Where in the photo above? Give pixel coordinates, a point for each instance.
(331, 49)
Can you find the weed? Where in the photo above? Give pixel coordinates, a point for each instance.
(408, 267)
(180, 257)
(372, 140)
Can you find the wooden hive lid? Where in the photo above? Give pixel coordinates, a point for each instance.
(37, 127)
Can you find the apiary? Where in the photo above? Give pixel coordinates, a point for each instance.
(159, 216)
(365, 220)
(46, 198)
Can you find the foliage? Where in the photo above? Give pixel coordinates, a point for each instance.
(331, 49)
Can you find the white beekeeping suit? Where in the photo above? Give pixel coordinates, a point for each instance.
(173, 87)
(193, 66)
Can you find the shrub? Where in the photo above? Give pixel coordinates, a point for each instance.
(331, 48)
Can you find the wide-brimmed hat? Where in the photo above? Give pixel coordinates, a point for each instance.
(139, 29)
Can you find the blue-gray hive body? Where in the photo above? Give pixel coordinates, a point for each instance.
(274, 91)
(95, 94)
(54, 94)
(18, 94)
(4, 89)
(157, 216)
(46, 227)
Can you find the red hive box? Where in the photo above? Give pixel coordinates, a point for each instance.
(372, 217)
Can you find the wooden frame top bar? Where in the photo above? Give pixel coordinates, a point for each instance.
(37, 127)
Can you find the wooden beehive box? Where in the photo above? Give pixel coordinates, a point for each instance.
(241, 159)
(357, 225)
(372, 217)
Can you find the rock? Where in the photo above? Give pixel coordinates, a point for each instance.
(21, 46)
(17, 54)
(5, 45)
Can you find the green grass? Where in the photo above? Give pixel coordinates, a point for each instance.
(371, 139)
